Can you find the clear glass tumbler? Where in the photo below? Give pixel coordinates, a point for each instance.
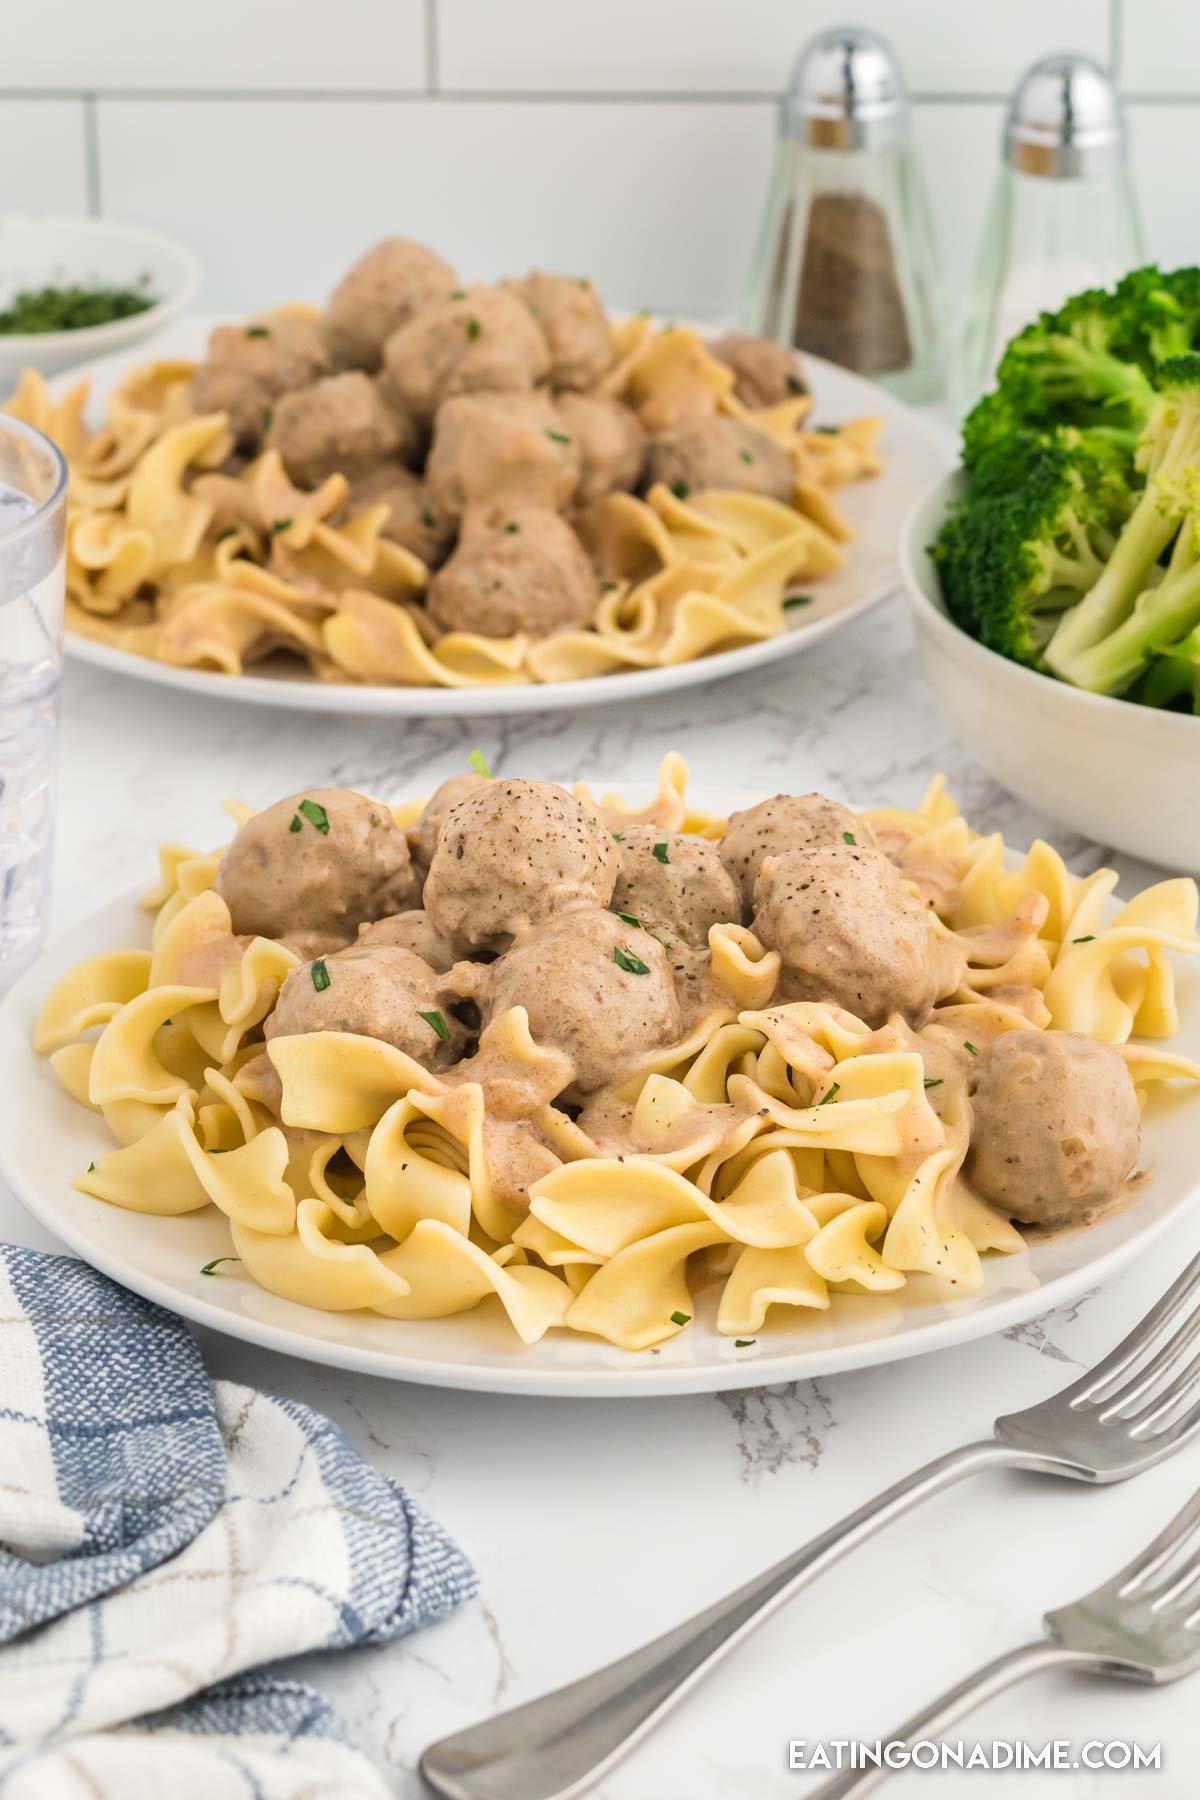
(33, 518)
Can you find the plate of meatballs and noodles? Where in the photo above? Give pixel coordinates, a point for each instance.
(520, 1087)
(441, 497)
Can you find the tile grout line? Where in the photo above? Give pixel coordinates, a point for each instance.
(432, 70)
(91, 155)
(472, 96)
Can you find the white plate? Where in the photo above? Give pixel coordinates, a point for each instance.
(875, 509)
(46, 1139)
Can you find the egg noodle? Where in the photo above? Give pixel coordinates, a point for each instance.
(780, 1153)
(168, 557)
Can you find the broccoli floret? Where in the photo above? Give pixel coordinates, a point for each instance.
(1137, 607)
(1031, 537)
(1173, 678)
(1160, 315)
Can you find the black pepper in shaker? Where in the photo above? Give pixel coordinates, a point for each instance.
(845, 265)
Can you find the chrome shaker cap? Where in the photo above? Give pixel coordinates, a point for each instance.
(1064, 120)
(846, 93)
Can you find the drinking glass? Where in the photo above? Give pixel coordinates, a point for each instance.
(33, 517)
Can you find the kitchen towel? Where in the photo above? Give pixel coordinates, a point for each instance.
(164, 1538)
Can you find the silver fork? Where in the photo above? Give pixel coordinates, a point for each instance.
(1131, 1411)
(1143, 1625)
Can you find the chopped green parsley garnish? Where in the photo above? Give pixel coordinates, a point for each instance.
(681, 1318)
(659, 853)
(972, 1048)
(745, 456)
(91, 1168)
(936, 1081)
(320, 975)
(797, 600)
(480, 764)
(826, 1098)
(557, 437)
(73, 308)
(583, 281)
(848, 837)
(278, 525)
(625, 959)
(473, 329)
(628, 919)
(212, 1267)
(827, 430)
(680, 489)
(512, 527)
(794, 385)
(315, 814)
(457, 294)
(427, 517)
(297, 823)
(229, 531)
(268, 418)
(1090, 939)
(743, 1343)
(257, 331)
(618, 837)
(437, 1023)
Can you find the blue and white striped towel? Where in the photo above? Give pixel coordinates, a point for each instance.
(164, 1537)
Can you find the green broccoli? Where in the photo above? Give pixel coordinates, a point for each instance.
(1136, 607)
(1032, 537)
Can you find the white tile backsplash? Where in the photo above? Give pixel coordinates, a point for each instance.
(43, 161)
(230, 44)
(628, 139)
(658, 203)
(718, 46)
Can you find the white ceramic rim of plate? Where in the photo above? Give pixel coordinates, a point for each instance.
(306, 694)
(616, 1374)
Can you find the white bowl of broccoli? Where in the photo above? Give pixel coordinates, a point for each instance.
(1125, 774)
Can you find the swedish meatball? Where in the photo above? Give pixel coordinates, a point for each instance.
(720, 453)
(485, 340)
(786, 822)
(512, 856)
(574, 324)
(310, 869)
(413, 930)
(610, 442)
(375, 990)
(1055, 1125)
(527, 571)
(383, 291)
(766, 373)
(595, 988)
(676, 883)
(415, 521)
(423, 836)
(851, 931)
(501, 450)
(249, 367)
(339, 426)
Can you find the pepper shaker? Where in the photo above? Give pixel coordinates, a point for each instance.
(845, 265)
(1063, 215)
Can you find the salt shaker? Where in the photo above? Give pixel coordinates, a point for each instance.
(845, 265)
(1063, 215)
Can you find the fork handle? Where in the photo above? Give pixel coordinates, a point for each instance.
(555, 1747)
(991, 1679)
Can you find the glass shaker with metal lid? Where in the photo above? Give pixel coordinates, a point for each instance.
(1063, 215)
(845, 265)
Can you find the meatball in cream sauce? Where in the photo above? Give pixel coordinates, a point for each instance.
(385, 289)
(673, 883)
(785, 822)
(375, 990)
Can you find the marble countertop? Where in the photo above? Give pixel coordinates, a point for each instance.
(595, 1524)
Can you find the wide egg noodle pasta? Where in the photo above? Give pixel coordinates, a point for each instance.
(783, 1153)
(176, 554)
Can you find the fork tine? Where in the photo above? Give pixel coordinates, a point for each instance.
(1162, 1404)
(1146, 1379)
(1172, 1436)
(1139, 1575)
(1177, 1299)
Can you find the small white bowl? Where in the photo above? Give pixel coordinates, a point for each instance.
(37, 252)
(1127, 776)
